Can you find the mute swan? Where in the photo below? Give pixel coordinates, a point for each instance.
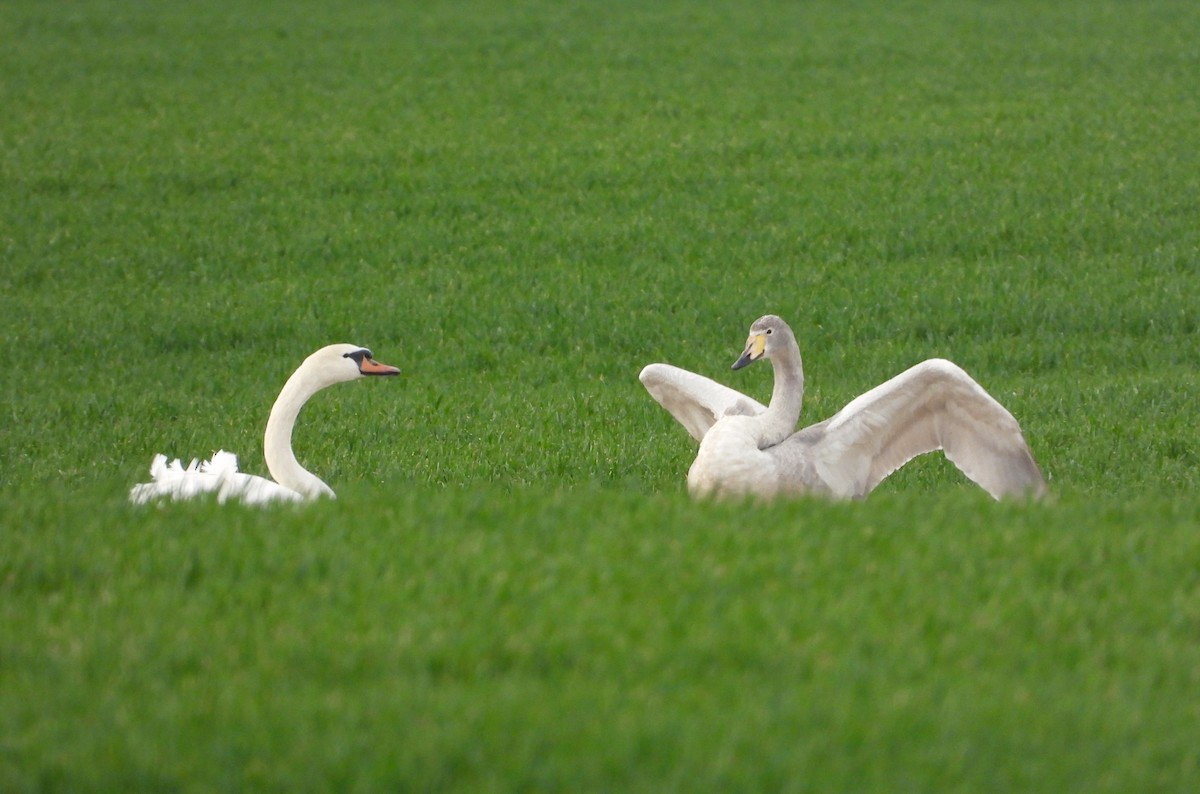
(748, 449)
(329, 365)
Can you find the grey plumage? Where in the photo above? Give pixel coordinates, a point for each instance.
(747, 448)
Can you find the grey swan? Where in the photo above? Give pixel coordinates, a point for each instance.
(748, 449)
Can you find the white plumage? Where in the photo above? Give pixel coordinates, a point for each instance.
(747, 448)
(219, 475)
(327, 366)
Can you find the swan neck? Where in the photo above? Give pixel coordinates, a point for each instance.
(277, 442)
(787, 397)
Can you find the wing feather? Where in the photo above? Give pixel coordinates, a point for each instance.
(695, 401)
(934, 405)
(219, 475)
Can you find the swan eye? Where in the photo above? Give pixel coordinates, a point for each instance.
(770, 331)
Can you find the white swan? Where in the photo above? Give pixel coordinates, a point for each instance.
(293, 483)
(748, 449)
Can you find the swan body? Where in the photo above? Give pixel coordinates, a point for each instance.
(748, 449)
(292, 482)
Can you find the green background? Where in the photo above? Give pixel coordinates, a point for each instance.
(520, 204)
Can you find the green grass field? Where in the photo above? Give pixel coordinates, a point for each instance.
(521, 204)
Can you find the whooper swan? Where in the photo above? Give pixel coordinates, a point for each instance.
(748, 449)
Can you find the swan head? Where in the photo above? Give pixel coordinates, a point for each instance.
(768, 334)
(339, 363)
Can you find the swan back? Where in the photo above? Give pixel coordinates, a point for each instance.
(219, 475)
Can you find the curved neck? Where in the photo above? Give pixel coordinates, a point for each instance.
(277, 442)
(787, 397)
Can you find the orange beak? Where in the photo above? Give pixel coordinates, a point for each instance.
(370, 366)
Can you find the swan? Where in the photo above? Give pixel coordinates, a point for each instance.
(751, 449)
(293, 483)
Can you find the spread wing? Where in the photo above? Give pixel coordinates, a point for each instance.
(695, 401)
(934, 405)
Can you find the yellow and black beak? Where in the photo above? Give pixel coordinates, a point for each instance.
(755, 346)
